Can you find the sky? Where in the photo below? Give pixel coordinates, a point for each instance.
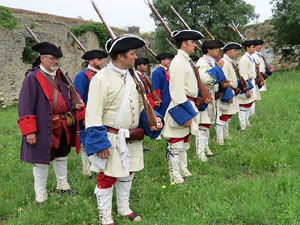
(118, 13)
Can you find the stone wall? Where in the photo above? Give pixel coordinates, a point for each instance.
(286, 58)
(47, 28)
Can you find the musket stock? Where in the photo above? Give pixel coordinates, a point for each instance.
(78, 42)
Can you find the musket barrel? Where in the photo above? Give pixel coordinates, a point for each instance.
(78, 42)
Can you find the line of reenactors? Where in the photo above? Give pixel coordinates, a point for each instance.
(111, 118)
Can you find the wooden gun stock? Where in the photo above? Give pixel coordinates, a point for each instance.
(244, 84)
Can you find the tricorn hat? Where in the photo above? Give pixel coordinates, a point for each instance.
(184, 35)
(259, 42)
(45, 48)
(141, 60)
(165, 56)
(231, 45)
(94, 54)
(250, 42)
(211, 44)
(124, 43)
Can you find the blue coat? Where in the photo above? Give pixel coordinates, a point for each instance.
(35, 115)
(160, 82)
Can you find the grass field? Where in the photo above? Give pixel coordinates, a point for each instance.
(253, 180)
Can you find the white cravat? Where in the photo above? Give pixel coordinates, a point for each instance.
(51, 74)
(93, 68)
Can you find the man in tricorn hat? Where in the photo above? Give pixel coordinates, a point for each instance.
(247, 71)
(141, 67)
(226, 111)
(212, 76)
(44, 102)
(112, 137)
(82, 82)
(160, 81)
(182, 114)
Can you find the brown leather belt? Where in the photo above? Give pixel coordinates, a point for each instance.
(136, 134)
(191, 98)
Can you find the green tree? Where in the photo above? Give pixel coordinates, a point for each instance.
(214, 14)
(286, 22)
(7, 19)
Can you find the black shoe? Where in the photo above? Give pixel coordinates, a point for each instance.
(66, 192)
(146, 149)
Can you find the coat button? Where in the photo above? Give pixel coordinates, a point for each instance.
(90, 129)
(28, 117)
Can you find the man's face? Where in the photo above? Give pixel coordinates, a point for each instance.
(50, 62)
(251, 49)
(97, 63)
(232, 53)
(213, 52)
(189, 46)
(127, 60)
(142, 68)
(258, 48)
(165, 62)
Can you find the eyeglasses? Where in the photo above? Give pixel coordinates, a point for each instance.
(52, 58)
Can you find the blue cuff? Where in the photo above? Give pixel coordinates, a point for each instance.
(145, 126)
(268, 72)
(183, 112)
(94, 139)
(217, 73)
(227, 94)
(248, 89)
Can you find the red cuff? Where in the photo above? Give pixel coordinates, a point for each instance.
(150, 99)
(27, 124)
(80, 114)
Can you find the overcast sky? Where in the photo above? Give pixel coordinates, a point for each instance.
(118, 13)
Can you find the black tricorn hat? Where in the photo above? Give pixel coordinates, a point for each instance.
(250, 42)
(94, 54)
(211, 44)
(194, 57)
(165, 56)
(231, 45)
(259, 42)
(124, 43)
(184, 35)
(45, 48)
(141, 60)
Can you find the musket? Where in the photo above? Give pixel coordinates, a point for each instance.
(150, 114)
(171, 44)
(76, 99)
(269, 67)
(204, 92)
(78, 42)
(185, 25)
(154, 94)
(206, 31)
(236, 30)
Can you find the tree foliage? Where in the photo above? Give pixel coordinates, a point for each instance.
(7, 19)
(96, 27)
(286, 22)
(214, 14)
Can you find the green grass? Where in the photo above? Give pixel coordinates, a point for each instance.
(253, 180)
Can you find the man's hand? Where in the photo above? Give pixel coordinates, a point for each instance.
(230, 101)
(262, 83)
(220, 63)
(104, 154)
(248, 94)
(226, 84)
(157, 127)
(272, 70)
(187, 123)
(157, 104)
(31, 138)
(79, 106)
